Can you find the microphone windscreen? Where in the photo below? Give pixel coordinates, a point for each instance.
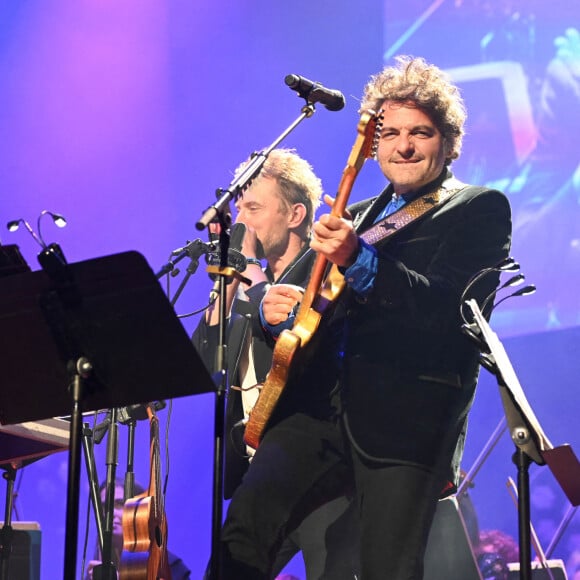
(237, 234)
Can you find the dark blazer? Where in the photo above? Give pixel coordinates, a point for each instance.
(409, 371)
(244, 319)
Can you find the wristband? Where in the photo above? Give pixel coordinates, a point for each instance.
(253, 261)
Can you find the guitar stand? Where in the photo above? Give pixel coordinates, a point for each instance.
(90, 437)
(106, 570)
(129, 482)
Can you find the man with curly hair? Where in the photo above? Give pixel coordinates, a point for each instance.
(378, 403)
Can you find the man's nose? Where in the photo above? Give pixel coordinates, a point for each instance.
(405, 144)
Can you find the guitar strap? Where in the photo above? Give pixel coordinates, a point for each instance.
(412, 211)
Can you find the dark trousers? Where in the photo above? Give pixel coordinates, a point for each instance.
(328, 541)
(397, 505)
(301, 464)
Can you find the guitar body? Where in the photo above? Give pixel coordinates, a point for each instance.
(144, 541)
(270, 391)
(144, 555)
(289, 345)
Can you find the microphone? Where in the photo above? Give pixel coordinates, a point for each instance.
(236, 259)
(315, 92)
(237, 235)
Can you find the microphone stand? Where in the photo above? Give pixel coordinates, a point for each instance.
(192, 249)
(129, 416)
(129, 482)
(220, 212)
(251, 170)
(224, 273)
(106, 569)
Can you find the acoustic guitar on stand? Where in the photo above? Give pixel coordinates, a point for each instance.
(144, 555)
(320, 292)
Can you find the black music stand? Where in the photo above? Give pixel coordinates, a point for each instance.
(11, 261)
(532, 444)
(92, 335)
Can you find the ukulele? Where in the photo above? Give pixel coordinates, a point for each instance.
(319, 293)
(144, 555)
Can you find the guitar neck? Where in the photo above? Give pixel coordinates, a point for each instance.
(320, 266)
(345, 187)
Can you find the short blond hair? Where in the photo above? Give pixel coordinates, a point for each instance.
(428, 88)
(296, 178)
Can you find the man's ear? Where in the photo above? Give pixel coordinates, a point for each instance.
(448, 152)
(296, 215)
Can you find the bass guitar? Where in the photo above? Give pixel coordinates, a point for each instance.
(144, 555)
(322, 290)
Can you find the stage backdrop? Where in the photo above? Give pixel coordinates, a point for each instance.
(127, 118)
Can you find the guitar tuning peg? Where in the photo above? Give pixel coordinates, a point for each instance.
(378, 121)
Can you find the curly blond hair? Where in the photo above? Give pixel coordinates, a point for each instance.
(296, 178)
(428, 88)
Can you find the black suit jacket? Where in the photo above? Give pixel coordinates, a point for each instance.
(409, 372)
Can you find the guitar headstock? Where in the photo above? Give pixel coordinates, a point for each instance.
(365, 146)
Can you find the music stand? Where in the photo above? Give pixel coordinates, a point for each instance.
(11, 261)
(102, 328)
(531, 442)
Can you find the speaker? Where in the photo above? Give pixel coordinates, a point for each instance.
(449, 555)
(557, 571)
(24, 559)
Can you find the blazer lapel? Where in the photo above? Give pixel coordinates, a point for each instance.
(367, 214)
